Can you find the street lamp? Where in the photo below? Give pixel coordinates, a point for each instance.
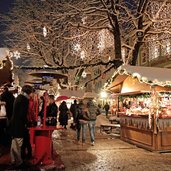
(103, 94)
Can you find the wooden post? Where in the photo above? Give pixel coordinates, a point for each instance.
(155, 104)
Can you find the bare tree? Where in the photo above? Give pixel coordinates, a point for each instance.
(81, 35)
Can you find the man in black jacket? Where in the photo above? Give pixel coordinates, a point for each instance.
(18, 123)
(51, 113)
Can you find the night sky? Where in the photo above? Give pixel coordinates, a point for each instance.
(5, 6)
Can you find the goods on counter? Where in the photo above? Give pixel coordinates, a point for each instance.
(145, 106)
(138, 111)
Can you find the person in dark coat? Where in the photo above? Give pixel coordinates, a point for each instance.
(63, 114)
(82, 120)
(17, 126)
(8, 98)
(26, 149)
(51, 112)
(106, 107)
(73, 110)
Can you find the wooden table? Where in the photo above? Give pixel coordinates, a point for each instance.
(108, 127)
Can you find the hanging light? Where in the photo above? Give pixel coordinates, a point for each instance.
(84, 74)
(82, 55)
(28, 47)
(109, 58)
(77, 47)
(44, 31)
(103, 94)
(16, 54)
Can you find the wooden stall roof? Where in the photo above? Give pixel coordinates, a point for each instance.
(129, 79)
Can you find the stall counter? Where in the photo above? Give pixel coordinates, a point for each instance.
(136, 129)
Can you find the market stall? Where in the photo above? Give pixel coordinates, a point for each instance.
(144, 105)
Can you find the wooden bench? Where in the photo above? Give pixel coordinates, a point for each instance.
(108, 127)
(114, 119)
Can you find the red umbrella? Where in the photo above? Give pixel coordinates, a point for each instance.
(60, 98)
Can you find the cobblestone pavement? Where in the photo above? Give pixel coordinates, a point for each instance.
(108, 154)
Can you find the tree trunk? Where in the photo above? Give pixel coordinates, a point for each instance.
(135, 53)
(141, 9)
(117, 39)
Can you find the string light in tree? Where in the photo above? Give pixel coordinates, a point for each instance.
(84, 74)
(28, 47)
(82, 55)
(44, 31)
(15, 54)
(77, 47)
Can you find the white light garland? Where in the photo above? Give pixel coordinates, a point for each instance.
(141, 79)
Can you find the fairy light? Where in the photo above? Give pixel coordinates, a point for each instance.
(84, 74)
(28, 47)
(136, 75)
(84, 20)
(105, 40)
(168, 47)
(16, 54)
(77, 47)
(123, 54)
(82, 55)
(44, 31)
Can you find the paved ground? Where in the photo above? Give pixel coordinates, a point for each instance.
(108, 154)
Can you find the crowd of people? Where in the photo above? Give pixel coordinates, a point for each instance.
(23, 112)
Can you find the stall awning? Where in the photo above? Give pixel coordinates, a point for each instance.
(136, 78)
